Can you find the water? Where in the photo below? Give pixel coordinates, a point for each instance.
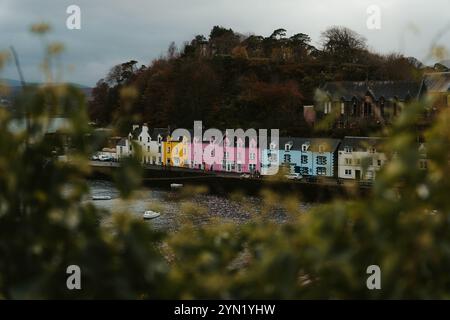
(173, 207)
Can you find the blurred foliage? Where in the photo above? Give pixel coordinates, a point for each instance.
(46, 224)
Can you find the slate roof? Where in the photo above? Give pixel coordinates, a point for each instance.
(122, 142)
(437, 82)
(164, 132)
(361, 143)
(328, 145)
(136, 132)
(348, 90)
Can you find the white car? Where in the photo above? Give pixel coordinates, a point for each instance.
(245, 176)
(104, 157)
(294, 176)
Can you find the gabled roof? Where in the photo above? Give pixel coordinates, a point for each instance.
(361, 143)
(136, 132)
(163, 132)
(328, 145)
(388, 90)
(436, 82)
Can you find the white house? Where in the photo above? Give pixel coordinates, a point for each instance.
(123, 148)
(360, 158)
(151, 143)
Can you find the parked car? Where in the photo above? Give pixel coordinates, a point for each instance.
(104, 157)
(294, 176)
(245, 176)
(94, 157)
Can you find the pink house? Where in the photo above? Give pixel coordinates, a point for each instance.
(240, 157)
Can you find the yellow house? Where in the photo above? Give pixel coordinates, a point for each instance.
(176, 152)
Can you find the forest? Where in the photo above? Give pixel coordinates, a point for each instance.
(231, 80)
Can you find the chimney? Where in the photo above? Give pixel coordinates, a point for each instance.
(309, 115)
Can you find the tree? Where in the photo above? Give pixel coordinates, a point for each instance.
(343, 44)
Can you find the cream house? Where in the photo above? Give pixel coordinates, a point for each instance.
(360, 158)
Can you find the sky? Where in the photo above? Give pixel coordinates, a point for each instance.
(114, 31)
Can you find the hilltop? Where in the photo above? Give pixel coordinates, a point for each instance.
(232, 80)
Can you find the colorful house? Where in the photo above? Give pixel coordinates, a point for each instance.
(177, 151)
(307, 156)
(240, 155)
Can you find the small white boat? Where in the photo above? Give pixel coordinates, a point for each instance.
(101, 198)
(176, 185)
(149, 214)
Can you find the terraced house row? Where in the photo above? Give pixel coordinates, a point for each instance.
(356, 158)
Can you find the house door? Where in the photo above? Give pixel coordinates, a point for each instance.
(358, 174)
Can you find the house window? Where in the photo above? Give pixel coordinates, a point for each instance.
(273, 146)
(321, 160)
(305, 147)
(252, 156)
(304, 171)
(140, 139)
(342, 108)
(213, 152)
(348, 172)
(321, 171)
(348, 149)
(287, 158)
(226, 155)
(372, 150)
(379, 162)
(287, 147)
(358, 162)
(148, 139)
(367, 109)
(148, 149)
(304, 159)
(273, 157)
(252, 167)
(159, 149)
(370, 175)
(423, 164)
(327, 107)
(321, 148)
(348, 161)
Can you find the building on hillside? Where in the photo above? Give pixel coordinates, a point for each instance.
(360, 158)
(436, 86)
(307, 156)
(355, 103)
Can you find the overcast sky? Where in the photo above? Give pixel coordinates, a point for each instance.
(115, 31)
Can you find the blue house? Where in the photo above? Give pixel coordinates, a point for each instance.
(307, 156)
